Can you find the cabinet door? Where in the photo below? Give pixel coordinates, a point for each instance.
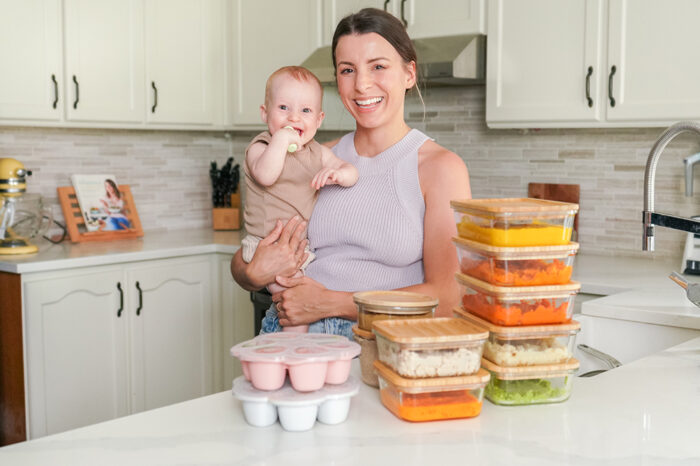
(267, 36)
(335, 10)
(30, 54)
(442, 17)
(184, 60)
(654, 49)
(104, 60)
(171, 327)
(539, 53)
(76, 350)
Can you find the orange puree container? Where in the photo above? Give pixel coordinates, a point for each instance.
(522, 266)
(431, 399)
(515, 222)
(518, 305)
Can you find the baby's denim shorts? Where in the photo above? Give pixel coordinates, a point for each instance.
(331, 325)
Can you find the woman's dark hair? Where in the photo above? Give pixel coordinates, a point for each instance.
(379, 21)
(114, 187)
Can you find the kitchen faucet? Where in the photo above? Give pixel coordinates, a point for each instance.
(689, 163)
(649, 217)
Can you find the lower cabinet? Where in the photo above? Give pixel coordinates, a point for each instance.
(103, 342)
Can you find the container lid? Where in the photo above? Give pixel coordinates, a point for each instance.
(434, 330)
(296, 348)
(519, 292)
(520, 332)
(520, 253)
(531, 372)
(366, 334)
(431, 383)
(399, 302)
(507, 206)
(287, 396)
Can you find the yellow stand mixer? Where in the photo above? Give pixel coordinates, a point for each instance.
(12, 188)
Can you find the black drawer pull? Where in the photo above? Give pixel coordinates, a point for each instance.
(55, 90)
(138, 309)
(121, 299)
(77, 92)
(155, 97)
(588, 86)
(610, 85)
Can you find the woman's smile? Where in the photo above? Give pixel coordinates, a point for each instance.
(368, 103)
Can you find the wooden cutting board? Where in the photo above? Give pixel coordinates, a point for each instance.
(557, 192)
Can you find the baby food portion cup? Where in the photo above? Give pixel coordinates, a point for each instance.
(529, 345)
(392, 305)
(530, 385)
(437, 347)
(431, 399)
(368, 344)
(521, 266)
(515, 221)
(518, 305)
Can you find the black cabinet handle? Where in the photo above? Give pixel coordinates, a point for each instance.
(403, 18)
(138, 309)
(588, 86)
(610, 85)
(155, 97)
(386, 2)
(55, 90)
(77, 92)
(121, 299)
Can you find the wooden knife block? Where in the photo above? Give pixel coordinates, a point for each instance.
(228, 218)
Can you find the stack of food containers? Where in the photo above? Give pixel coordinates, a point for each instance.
(429, 369)
(384, 305)
(516, 261)
(319, 385)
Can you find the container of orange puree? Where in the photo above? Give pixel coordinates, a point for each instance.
(431, 399)
(515, 222)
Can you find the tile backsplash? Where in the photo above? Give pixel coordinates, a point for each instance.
(168, 170)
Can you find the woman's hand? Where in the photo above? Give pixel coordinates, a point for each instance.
(280, 253)
(301, 303)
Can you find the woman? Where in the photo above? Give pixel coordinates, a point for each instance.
(393, 229)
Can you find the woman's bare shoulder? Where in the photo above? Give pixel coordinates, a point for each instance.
(442, 171)
(433, 156)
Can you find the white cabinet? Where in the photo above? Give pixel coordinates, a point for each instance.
(335, 10)
(104, 61)
(184, 61)
(441, 17)
(103, 342)
(31, 58)
(602, 63)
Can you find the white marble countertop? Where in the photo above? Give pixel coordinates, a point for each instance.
(645, 412)
(153, 245)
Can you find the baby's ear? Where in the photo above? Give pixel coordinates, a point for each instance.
(321, 116)
(263, 113)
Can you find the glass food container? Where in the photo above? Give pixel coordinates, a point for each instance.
(515, 222)
(368, 354)
(521, 305)
(529, 385)
(437, 347)
(523, 266)
(389, 305)
(431, 399)
(530, 345)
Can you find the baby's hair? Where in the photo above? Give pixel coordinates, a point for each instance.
(299, 73)
(114, 187)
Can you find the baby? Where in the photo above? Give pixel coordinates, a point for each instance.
(284, 166)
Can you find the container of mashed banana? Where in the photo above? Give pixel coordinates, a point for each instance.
(515, 222)
(388, 305)
(531, 345)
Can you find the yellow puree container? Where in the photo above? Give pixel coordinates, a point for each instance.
(515, 222)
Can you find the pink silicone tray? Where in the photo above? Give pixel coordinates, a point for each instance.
(312, 359)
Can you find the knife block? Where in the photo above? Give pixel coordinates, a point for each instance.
(228, 218)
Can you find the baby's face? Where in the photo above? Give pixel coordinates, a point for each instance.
(294, 103)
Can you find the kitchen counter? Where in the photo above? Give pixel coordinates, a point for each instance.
(153, 245)
(645, 412)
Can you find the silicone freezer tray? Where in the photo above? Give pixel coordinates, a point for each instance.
(296, 411)
(311, 359)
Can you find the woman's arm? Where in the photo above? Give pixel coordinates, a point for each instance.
(279, 253)
(443, 177)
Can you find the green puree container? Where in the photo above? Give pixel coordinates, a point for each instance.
(515, 386)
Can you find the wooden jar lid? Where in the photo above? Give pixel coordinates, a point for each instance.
(400, 302)
(439, 383)
(515, 205)
(521, 331)
(432, 330)
(531, 372)
(519, 292)
(367, 335)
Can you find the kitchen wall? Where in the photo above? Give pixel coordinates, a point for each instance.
(168, 170)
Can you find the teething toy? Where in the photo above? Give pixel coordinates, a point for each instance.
(292, 147)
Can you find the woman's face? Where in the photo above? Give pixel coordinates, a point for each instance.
(109, 189)
(372, 79)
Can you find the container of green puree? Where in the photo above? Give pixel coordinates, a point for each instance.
(529, 385)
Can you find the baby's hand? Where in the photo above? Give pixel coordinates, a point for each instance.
(293, 139)
(325, 176)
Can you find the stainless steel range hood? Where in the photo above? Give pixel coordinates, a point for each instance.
(441, 60)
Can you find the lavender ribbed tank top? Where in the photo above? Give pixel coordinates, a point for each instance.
(370, 236)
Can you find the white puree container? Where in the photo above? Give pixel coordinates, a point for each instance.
(297, 411)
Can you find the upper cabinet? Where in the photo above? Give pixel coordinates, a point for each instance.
(184, 66)
(441, 17)
(30, 53)
(104, 60)
(602, 63)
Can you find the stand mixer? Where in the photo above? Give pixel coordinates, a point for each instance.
(22, 216)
